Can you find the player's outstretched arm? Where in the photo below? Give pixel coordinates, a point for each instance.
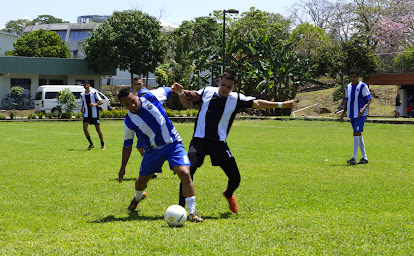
(341, 118)
(182, 95)
(265, 104)
(126, 153)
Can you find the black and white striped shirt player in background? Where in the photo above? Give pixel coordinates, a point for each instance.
(90, 102)
(219, 106)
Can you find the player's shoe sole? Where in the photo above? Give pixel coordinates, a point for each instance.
(103, 148)
(232, 203)
(193, 217)
(134, 203)
(351, 161)
(91, 147)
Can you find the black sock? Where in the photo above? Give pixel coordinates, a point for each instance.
(102, 143)
(89, 139)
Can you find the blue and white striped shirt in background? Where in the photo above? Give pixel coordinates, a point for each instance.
(151, 124)
(356, 97)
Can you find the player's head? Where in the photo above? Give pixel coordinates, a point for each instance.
(86, 84)
(138, 84)
(354, 76)
(129, 99)
(227, 83)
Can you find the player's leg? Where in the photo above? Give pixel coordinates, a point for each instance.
(98, 130)
(361, 123)
(87, 135)
(140, 186)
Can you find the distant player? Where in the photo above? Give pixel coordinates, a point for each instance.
(148, 121)
(219, 106)
(90, 102)
(356, 101)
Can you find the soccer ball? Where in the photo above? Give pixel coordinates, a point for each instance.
(175, 216)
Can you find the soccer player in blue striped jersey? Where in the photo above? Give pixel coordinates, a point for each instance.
(147, 120)
(356, 102)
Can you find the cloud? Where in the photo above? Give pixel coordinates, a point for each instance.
(166, 24)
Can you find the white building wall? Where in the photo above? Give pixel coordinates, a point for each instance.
(6, 42)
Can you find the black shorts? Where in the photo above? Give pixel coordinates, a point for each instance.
(91, 120)
(218, 151)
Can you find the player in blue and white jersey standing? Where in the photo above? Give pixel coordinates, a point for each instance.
(356, 102)
(219, 106)
(147, 120)
(90, 102)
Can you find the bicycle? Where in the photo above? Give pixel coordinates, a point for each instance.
(9, 100)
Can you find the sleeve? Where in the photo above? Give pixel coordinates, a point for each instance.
(162, 94)
(346, 94)
(97, 97)
(128, 137)
(365, 92)
(199, 92)
(245, 101)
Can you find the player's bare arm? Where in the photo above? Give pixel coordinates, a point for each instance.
(265, 104)
(186, 101)
(96, 104)
(341, 118)
(361, 112)
(126, 153)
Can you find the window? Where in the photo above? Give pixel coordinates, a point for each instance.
(56, 82)
(79, 35)
(51, 95)
(24, 83)
(42, 82)
(38, 96)
(62, 34)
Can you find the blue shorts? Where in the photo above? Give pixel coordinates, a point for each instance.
(358, 123)
(154, 158)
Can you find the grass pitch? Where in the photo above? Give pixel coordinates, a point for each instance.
(297, 195)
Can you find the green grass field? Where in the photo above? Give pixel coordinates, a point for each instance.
(297, 195)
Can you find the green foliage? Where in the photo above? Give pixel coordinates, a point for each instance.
(41, 43)
(128, 40)
(12, 114)
(31, 116)
(67, 101)
(47, 19)
(50, 115)
(17, 26)
(405, 61)
(16, 91)
(110, 96)
(40, 115)
(2, 117)
(164, 76)
(79, 114)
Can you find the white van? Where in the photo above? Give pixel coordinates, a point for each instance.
(46, 98)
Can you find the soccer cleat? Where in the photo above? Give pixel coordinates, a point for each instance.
(193, 217)
(103, 147)
(232, 203)
(351, 161)
(363, 161)
(91, 147)
(155, 175)
(134, 203)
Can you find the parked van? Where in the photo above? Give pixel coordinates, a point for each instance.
(46, 98)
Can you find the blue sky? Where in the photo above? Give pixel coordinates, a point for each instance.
(169, 11)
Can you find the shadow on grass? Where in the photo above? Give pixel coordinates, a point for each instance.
(72, 149)
(135, 216)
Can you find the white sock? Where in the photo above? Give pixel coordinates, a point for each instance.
(356, 145)
(138, 194)
(191, 204)
(362, 147)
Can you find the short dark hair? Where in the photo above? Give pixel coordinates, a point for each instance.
(124, 92)
(137, 78)
(231, 75)
(354, 72)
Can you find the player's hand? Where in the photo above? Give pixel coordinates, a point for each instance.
(360, 113)
(177, 88)
(92, 104)
(121, 174)
(290, 103)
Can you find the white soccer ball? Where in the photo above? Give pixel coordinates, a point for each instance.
(175, 216)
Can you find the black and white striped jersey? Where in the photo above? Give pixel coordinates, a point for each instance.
(91, 97)
(217, 113)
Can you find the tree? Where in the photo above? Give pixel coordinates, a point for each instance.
(128, 40)
(67, 101)
(316, 12)
(41, 43)
(17, 26)
(47, 19)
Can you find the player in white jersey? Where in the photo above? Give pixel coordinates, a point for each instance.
(356, 102)
(148, 121)
(219, 106)
(90, 102)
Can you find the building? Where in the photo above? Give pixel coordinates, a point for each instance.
(32, 72)
(6, 41)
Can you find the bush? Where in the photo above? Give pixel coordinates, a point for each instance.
(103, 113)
(40, 115)
(2, 117)
(78, 115)
(50, 115)
(31, 116)
(170, 113)
(12, 115)
(66, 115)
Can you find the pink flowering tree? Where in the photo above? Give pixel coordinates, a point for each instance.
(391, 36)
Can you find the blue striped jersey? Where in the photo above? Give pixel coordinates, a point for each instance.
(356, 97)
(151, 124)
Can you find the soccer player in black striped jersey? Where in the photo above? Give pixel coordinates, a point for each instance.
(90, 102)
(219, 106)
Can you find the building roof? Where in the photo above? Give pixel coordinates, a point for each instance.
(50, 66)
(9, 34)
